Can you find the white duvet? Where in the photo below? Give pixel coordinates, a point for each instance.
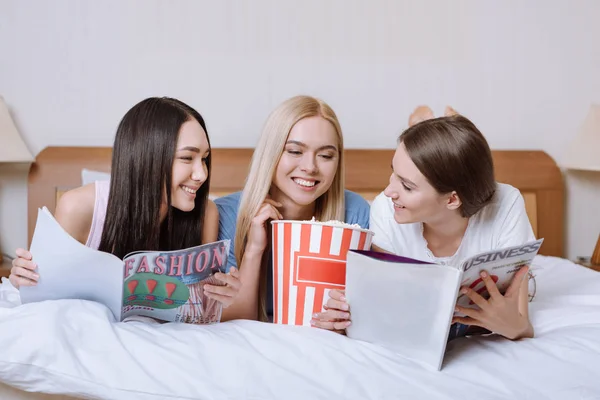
(75, 347)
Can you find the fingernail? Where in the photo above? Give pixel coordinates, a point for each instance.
(343, 298)
(312, 321)
(36, 276)
(463, 291)
(456, 309)
(347, 324)
(315, 315)
(483, 274)
(345, 307)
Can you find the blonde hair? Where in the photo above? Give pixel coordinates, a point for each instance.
(330, 206)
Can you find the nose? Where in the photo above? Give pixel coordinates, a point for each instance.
(390, 191)
(308, 164)
(200, 172)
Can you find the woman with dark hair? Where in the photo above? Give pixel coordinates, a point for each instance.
(443, 205)
(157, 197)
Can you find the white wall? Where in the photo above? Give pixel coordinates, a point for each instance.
(525, 72)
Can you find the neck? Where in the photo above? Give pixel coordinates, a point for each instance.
(446, 233)
(162, 213)
(450, 227)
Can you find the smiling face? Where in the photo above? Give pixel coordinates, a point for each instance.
(415, 200)
(308, 164)
(189, 165)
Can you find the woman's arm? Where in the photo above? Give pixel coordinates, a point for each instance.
(74, 212)
(227, 293)
(245, 305)
(210, 230)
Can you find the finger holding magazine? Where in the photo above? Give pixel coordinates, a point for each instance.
(507, 315)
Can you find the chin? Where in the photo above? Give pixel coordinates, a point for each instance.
(184, 207)
(301, 198)
(403, 220)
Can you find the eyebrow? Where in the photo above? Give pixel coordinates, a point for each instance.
(326, 147)
(411, 183)
(190, 148)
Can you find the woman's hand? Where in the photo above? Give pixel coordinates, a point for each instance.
(23, 268)
(257, 237)
(227, 293)
(506, 315)
(336, 316)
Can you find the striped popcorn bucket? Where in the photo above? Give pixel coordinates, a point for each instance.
(309, 259)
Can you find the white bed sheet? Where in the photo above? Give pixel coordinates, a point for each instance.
(74, 347)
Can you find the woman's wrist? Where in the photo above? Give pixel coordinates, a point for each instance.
(253, 251)
(526, 332)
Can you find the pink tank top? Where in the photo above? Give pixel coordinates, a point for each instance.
(102, 189)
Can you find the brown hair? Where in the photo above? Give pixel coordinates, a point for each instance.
(454, 156)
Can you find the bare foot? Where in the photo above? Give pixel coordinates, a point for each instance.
(449, 111)
(420, 114)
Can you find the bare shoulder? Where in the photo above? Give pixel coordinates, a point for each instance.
(75, 210)
(210, 230)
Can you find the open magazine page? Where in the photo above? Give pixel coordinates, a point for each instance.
(402, 304)
(70, 270)
(169, 286)
(501, 264)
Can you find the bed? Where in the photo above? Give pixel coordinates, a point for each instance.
(84, 354)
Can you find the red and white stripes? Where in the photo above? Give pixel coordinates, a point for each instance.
(309, 259)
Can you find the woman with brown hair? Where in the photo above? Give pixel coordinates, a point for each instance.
(443, 205)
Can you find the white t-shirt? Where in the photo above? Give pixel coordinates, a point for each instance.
(501, 223)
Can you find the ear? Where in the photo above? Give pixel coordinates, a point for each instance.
(449, 111)
(453, 202)
(420, 114)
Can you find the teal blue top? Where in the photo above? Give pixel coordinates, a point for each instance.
(357, 212)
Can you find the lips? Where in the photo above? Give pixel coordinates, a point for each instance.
(307, 183)
(189, 189)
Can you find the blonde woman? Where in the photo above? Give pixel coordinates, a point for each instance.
(297, 172)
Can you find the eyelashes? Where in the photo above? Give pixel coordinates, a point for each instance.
(297, 153)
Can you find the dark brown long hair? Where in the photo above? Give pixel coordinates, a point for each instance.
(454, 156)
(141, 173)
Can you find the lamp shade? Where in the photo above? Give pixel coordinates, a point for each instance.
(12, 147)
(584, 151)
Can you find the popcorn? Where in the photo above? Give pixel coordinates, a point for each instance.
(333, 222)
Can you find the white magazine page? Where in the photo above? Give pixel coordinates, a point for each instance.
(70, 270)
(501, 264)
(404, 307)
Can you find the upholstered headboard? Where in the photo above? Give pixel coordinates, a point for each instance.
(534, 173)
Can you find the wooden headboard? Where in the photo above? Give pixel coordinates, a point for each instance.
(534, 173)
